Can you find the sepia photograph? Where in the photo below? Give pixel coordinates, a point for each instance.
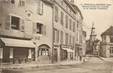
(56, 36)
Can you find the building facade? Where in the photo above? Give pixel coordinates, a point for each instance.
(40, 30)
(107, 43)
(25, 28)
(67, 29)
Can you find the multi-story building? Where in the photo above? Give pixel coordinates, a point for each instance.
(107, 43)
(67, 30)
(26, 30)
(40, 30)
(79, 33)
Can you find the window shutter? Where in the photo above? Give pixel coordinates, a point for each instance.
(44, 29)
(34, 28)
(8, 22)
(56, 13)
(22, 27)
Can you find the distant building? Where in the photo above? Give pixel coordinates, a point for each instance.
(107, 43)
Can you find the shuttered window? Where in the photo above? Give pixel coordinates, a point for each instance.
(8, 23)
(61, 37)
(73, 26)
(62, 18)
(66, 39)
(66, 20)
(70, 23)
(56, 13)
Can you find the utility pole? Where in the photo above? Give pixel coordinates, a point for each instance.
(92, 38)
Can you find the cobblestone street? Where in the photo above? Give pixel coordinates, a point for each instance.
(93, 65)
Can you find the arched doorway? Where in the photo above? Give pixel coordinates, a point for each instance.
(44, 54)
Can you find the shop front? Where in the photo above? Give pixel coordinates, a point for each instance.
(56, 54)
(44, 54)
(78, 52)
(67, 53)
(17, 51)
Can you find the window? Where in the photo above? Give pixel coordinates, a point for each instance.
(39, 28)
(40, 7)
(15, 22)
(73, 41)
(70, 24)
(66, 21)
(111, 39)
(70, 39)
(66, 38)
(62, 18)
(12, 1)
(43, 52)
(56, 13)
(111, 50)
(21, 3)
(73, 26)
(57, 36)
(61, 37)
(77, 24)
(54, 35)
(0, 24)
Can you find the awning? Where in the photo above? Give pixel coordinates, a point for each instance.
(68, 50)
(1, 43)
(18, 43)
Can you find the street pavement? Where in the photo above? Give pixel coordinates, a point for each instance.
(93, 65)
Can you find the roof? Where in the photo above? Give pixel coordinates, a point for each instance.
(70, 5)
(109, 31)
(76, 8)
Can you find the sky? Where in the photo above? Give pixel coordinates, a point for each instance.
(102, 18)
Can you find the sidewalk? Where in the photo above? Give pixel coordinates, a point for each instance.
(107, 59)
(35, 64)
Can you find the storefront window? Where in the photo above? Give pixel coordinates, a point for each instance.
(43, 52)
